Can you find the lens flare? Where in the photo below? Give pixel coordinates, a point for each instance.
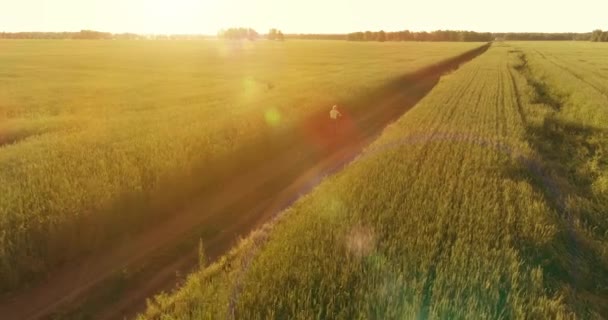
(361, 241)
(273, 117)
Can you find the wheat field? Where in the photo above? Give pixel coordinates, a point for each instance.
(487, 200)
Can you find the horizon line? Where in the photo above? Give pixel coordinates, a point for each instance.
(299, 33)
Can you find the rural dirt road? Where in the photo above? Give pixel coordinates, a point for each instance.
(114, 284)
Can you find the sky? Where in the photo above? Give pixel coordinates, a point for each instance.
(302, 16)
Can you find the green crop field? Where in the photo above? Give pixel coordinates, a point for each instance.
(487, 200)
(99, 139)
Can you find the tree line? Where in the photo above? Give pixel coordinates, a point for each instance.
(406, 35)
(238, 33)
(83, 34)
(275, 34)
(315, 36)
(599, 36)
(450, 35)
(532, 36)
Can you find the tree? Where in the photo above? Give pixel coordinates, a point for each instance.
(275, 34)
(356, 36)
(381, 36)
(422, 36)
(272, 34)
(252, 34)
(238, 34)
(596, 35)
(91, 35)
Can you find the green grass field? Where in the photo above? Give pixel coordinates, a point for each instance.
(487, 200)
(99, 139)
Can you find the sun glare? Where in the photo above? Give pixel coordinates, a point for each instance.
(181, 16)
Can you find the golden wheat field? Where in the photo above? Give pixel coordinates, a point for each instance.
(99, 139)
